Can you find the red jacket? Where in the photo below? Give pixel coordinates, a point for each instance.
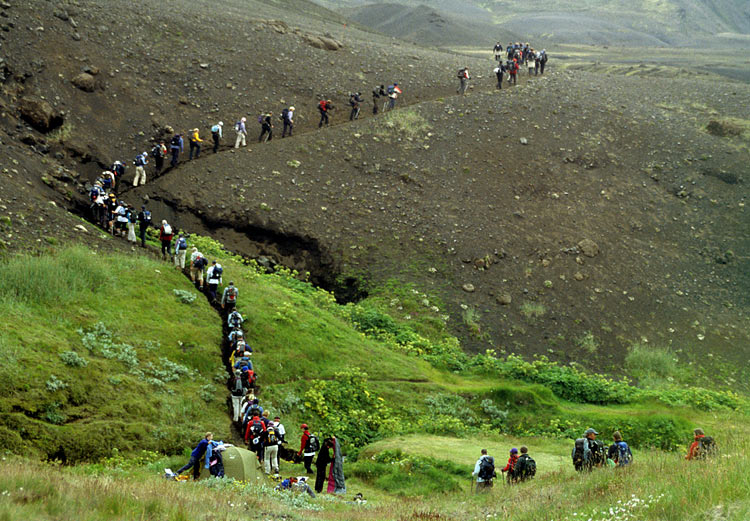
(305, 437)
(511, 463)
(250, 427)
(693, 450)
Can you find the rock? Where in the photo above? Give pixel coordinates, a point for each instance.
(524, 141)
(76, 37)
(469, 288)
(331, 44)
(314, 41)
(589, 248)
(85, 81)
(90, 69)
(724, 128)
(578, 275)
(39, 113)
(504, 299)
(81, 228)
(204, 66)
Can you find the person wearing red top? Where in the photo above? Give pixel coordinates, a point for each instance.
(253, 438)
(511, 463)
(304, 451)
(695, 446)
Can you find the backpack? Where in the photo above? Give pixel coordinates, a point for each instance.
(581, 454)
(231, 294)
(460, 73)
(238, 126)
(322, 105)
(199, 263)
(182, 244)
(175, 142)
(598, 453)
(139, 160)
(313, 444)
(215, 129)
(391, 89)
(167, 229)
(525, 468)
(706, 447)
(624, 455)
(94, 194)
(156, 151)
(239, 388)
(146, 216)
(272, 437)
(256, 429)
(254, 411)
(486, 468)
(260, 119)
(284, 114)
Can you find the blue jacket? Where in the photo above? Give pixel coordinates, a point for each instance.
(199, 449)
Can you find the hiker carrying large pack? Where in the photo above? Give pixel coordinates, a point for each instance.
(484, 470)
(587, 451)
(619, 452)
(525, 467)
(703, 446)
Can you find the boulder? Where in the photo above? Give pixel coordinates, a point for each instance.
(589, 248)
(331, 44)
(85, 81)
(504, 299)
(39, 113)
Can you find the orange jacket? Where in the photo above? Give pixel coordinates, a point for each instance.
(511, 463)
(693, 450)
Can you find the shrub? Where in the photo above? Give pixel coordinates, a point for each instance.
(73, 359)
(651, 362)
(186, 297)
(55, 384)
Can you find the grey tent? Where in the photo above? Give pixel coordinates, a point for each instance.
(240, 464)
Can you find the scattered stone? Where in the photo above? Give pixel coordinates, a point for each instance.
(39, 114)
(524, 141)
(589, 248)
(469, 288)
(90, 69)
(204, 66)
(578, 275)
(504, 299)
(85, 81)
(76, 37)
(81, 228)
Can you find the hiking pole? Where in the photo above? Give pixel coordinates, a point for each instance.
(472, 484)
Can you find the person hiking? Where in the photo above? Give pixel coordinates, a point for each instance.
(165, 236)
(498, 51)
(197, 263)
(132, 218)
(324, 107)
(180, 249)
(309, 445)
(195, 457)
(176, 145)
(280, 429)
(484, 470)
(254, 432)
(241, 129)
(393, 93)
(213, 279)
(140, 162)
(530, 63)
(377, 93)
(512, 459)
(229, 297)
(585, 451)
(463, 78)
(217, 134)
(158, 152)
(195, 144)
(500, 73)
(513, 71)
(234, 319)
(525, 467)
(542, 61)
(702, 447)
(330, 453)
(271, 448)
(118, 170)
(144, 221)
(619, 452)
(287, 119)
(537, 59)
(237, 390)
(354, 101)
(121, 224)
(266, 127)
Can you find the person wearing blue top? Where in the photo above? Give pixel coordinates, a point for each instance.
(217, 134)
(201, 450)
(176, 145)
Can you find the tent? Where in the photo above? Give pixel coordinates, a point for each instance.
(240, 464)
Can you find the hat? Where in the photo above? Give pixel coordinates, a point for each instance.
(591, 431)
(194, 249)
(303, 426)
(213, 262)
(291, 108)
(195, 130)
(514, 450)
(231, 283)
(221, 123)
(243, 119)
(143, 207)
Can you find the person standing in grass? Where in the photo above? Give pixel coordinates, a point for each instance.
(308, 445)
(511, 464)
(213, 279)
(619, 452)
(484, 470)
(180, 249)
(165, 236)
(144, 221)
(229, 297)
(195, 457)
(702, 446)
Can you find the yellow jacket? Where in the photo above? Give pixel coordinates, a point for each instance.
(195, 137)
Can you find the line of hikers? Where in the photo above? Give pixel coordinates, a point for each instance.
(588, 453)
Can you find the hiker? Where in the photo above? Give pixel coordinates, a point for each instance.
(198, 452)
(229, 297)
(180, 249)
(393, 92)
(266, 127)
(217, 134)
(498, 50)
(244, 361)
(298, 484)
(587, 451)
(234, 319)
(619, 452)
(165, 236)
(111, 202)
(525, 467)
(241, 130)
(308, 447)
(121, 217)
(530, 62)
(213, 279)
(140, 162)
(176, 145)
(254, 432)
(512, 459)
(484, 470)
(542, 61)
(271, 448)
(108, 181)
(513, 71)
(132, 218)
(279, 428)
(237, 390)
(463, 78)
(195, 143)
(158, 152)
(500, 73)
(144, 221)
(118, 171)
(287, 119)
(377, 93)
(702, 446)
(537, 59)
(215, 463)
(197, 263)
(354, 101)
(324, 107)
(330, 454)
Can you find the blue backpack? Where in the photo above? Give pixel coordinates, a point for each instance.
(624, 455)
(182, 244)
